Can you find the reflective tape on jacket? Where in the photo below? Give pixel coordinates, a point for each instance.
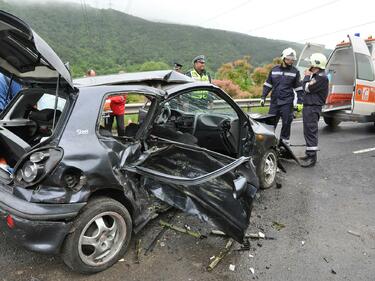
(267, 85)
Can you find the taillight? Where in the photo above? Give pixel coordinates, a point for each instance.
(37, 165)
(10, 221)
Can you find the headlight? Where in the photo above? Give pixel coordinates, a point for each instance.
(37, 165)
(39, 156)
(30, 171)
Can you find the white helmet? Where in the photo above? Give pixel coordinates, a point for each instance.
(289, 53)
(318, 60)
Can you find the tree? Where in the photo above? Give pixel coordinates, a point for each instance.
(238, 72)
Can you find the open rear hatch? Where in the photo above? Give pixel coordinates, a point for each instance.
(212, 186)
(25, 56)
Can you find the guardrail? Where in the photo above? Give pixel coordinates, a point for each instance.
(245, 104)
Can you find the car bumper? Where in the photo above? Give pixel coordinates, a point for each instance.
(37, 227)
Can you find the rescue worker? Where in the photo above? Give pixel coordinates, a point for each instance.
(283, 80)
(202, 99)
(177, 67)
(315, 86)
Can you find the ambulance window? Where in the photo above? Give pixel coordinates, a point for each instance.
(364, 67)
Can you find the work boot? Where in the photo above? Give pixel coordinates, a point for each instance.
(309, 161)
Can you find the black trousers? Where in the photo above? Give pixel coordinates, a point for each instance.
(284, 111)
(311, 115)
(120, 124)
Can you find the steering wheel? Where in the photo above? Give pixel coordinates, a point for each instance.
(164, 114)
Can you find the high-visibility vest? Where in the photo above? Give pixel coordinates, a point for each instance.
(203, 78)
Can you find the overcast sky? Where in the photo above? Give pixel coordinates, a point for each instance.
(320, 21)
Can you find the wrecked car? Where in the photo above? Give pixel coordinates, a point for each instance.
(68, 185)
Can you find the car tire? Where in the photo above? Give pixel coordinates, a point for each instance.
(331, 122)
(100, 236)
(267, 169)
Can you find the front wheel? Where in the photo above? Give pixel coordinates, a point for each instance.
(267, 169)
(101, 235)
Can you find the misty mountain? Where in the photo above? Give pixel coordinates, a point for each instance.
(108, 40)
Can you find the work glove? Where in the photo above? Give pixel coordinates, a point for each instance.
(262, 101)
(299, 107)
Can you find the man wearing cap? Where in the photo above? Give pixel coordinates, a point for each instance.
(199, 73)
(178, 67)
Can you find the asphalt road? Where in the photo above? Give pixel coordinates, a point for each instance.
(326, 216)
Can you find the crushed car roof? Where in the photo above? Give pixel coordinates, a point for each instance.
(150, 77)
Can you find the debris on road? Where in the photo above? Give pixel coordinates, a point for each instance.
(259, 235)
(303, 243)
(354, 233)
(251, 256)
(252, 270)
(152, 245)
(138, 250)
(325, 259)
(195, 234)
(333, 272)
(278, 226)
(221, 255)
(232, 267)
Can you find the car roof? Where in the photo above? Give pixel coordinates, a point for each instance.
(150, 78)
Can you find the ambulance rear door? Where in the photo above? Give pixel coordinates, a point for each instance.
(363, 99)
(307, 51)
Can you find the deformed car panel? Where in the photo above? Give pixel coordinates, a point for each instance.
(214, 189)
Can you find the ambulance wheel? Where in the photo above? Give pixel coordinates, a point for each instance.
(267, 169)
(331, 122)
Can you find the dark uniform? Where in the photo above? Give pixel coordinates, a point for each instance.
(316, 91)
(283, 81)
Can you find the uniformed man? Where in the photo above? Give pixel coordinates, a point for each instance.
(283, 80)
(315, 86)
(199, 73)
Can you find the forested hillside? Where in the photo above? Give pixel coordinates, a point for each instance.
(109, 41)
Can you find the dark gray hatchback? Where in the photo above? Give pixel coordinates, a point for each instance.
(72, 186)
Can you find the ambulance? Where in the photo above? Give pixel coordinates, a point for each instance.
(350, 70)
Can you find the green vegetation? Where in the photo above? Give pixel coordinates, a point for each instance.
(110, 41)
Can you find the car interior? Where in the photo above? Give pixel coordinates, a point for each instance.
(208, 122)
(29, 120)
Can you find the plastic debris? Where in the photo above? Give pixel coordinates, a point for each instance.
(303, 243)
(221, 255)
(162, 244)
(232, 267)
(354, 233)
(278, 226)
(211, 258)
(261, 235)
(121, 260)
(138, 250)
(251, 256)
(252, 270)
(195, 234)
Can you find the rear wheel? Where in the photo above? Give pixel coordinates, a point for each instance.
(100, 237)
(267, 169)
(331, 121)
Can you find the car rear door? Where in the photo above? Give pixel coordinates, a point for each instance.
(363, 99)
(214, 187)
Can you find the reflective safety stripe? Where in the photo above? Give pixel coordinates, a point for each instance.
(313, 148)
(298, 89)
(290, 74)
(276, 73)
(267, 84)
(307, 88)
